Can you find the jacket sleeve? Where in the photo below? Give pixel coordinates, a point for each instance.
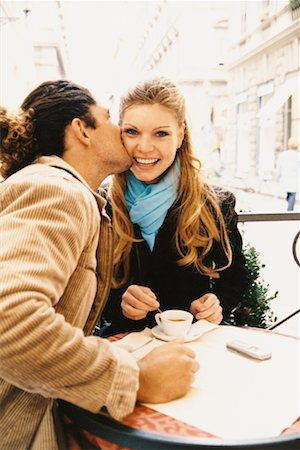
(234, 281)
(112, 311)
(43, 232)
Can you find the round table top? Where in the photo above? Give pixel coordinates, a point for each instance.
(151, 421)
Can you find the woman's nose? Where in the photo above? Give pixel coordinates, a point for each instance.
(145, 144)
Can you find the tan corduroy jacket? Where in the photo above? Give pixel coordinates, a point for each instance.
(55, 269)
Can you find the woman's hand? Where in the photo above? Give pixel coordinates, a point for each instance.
(207, 307)
(137, 301)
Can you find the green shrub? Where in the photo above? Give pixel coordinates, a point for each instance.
(254, 309)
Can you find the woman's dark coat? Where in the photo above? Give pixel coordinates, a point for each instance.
(175, 286)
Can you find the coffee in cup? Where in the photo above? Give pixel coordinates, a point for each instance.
(174, 322)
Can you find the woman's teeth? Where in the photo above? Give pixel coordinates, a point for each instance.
(146, 161)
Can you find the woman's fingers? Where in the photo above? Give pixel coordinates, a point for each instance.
(137, 301)
(216, 317)
(208, 308)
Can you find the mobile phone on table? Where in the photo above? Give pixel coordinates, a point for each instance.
(250, 350)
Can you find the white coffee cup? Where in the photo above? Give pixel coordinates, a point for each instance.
(174, 322)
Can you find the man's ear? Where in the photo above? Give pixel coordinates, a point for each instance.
(80, 130)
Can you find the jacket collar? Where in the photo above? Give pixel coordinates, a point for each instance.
(56, 161)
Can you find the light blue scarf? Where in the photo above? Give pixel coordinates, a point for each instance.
(148, 204)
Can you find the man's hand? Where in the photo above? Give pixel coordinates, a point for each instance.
(166, 373)
(137, 301)
(207, 307)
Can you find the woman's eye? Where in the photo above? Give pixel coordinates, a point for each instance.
(161, 133)
(130, 131)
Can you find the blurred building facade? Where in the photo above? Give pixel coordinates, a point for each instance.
(33, 48)
(263, 91)
(237, 63)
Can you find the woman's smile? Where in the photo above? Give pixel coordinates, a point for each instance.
(145, 162)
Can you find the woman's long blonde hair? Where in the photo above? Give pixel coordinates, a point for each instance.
(199, 218)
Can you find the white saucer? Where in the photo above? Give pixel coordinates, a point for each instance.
(159, 334)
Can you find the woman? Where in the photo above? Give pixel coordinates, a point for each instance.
(177, 242)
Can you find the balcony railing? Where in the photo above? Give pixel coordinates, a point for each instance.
(274, 217)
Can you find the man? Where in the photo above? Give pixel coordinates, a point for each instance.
(288, 172)
(55, 269)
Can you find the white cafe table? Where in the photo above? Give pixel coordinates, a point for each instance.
(235, 402)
